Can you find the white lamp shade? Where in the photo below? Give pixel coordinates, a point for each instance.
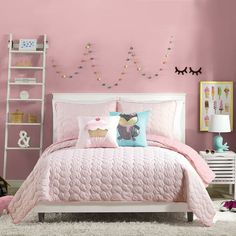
(219, 124)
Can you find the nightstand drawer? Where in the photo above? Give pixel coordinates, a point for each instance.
(224, 176)
(221, 163)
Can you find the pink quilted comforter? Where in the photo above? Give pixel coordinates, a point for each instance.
(65, 173)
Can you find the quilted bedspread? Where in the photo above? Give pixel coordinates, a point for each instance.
(65, 173)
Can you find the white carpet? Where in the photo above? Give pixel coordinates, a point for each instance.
(165, 224)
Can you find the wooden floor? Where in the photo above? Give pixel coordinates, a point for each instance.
(219, 191)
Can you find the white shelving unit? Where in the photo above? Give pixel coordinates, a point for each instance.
(224, 167)
(13, 50)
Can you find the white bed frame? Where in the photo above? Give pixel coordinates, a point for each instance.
(116, 206)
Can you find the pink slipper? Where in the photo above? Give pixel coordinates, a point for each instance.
(233, 208)
(226, 206)
(4, 202)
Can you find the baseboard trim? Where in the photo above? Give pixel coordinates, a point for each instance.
(15, 183)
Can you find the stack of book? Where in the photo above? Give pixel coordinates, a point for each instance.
(25, 80)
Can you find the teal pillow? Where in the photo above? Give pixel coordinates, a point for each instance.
(131, 130)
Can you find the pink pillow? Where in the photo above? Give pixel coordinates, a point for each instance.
(67, 113)
(161, 117)
(98, 131)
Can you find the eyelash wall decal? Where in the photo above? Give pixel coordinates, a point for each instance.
(182, 72)
(195, 72)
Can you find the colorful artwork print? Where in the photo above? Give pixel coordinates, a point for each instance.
(215, 98)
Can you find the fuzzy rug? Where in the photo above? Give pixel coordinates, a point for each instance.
(119, 224)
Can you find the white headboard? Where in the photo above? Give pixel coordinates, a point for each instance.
(142, 97)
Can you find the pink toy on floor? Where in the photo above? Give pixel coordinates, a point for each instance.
(4, 202)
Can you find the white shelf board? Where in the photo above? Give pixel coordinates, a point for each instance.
(17, 51)
(25, 100)
(27, 67)
(25, 149)
(21, 124)
(13, 83)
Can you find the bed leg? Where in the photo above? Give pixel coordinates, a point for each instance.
(190, 216)
(41, 217)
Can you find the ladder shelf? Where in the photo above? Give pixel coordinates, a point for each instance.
(13, 51)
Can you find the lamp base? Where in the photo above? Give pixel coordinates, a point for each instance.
(218, 144)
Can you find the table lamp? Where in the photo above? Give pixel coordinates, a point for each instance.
(219, 124)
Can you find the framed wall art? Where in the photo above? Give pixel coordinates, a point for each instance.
(27, 45)
(216, 97)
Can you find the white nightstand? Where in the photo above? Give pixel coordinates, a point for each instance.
(224, 166)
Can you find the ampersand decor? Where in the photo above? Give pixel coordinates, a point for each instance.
(23, 141)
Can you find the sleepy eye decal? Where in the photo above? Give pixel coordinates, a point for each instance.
(182, 72)
(195, 72)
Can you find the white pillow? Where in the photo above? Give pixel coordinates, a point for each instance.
(66, 113)
(171, 127)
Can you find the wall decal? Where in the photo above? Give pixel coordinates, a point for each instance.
(195, 72)
(131, 57)
(182, 72)
(212, 103)
(24, 140)
(191, 71)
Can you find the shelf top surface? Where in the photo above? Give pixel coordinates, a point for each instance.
(26, 67)
(15, 83)
(17, 51)
(11, 123)
(218, 154)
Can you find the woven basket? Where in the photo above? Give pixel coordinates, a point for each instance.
(32, 118)
(16, 117)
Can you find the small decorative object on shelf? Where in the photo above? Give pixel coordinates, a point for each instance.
(24, 63)
(16, 117)
(32, 118)
(3, 187)
(24, 94)
(27, 45)
(24, 140)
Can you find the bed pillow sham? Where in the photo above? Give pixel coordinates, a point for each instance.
(131, 130)
(161, 118)
(66, 114)
(97, 132)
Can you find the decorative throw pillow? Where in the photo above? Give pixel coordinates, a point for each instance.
(98, 131)
(66, 114)
(131, 130)
(161, 119)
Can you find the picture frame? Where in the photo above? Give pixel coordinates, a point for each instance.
(216, 97)
(27, 44)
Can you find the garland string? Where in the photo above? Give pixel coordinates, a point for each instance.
(130, 58)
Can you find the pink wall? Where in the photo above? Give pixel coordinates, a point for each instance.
(204, 34)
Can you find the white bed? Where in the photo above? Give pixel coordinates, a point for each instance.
(98, 207)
